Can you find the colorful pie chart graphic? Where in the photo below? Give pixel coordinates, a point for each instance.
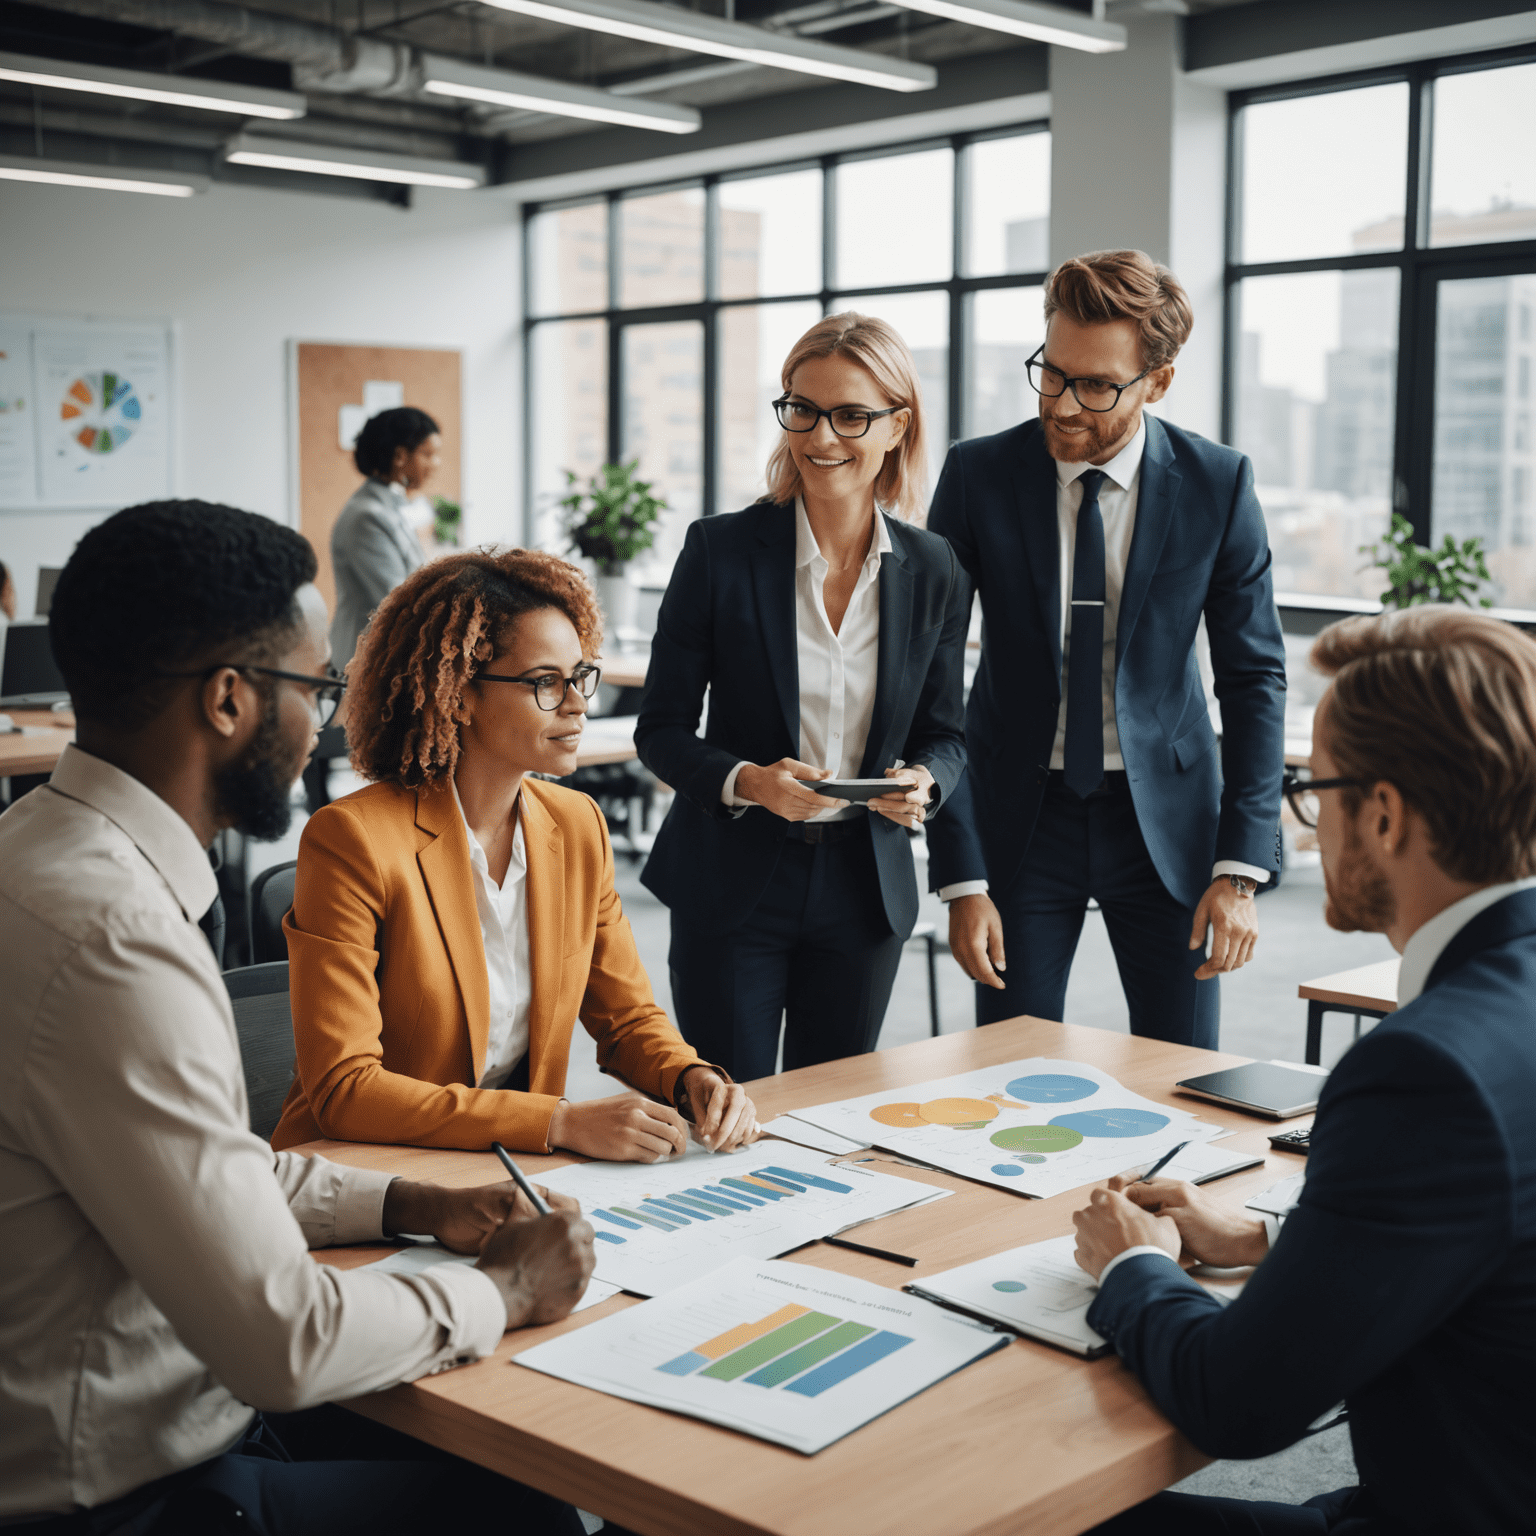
(907, 1117)
(1112, 1122)
(1036, 1138)
(102, 411)
(1052, 1088)
(1007, 1170)
(1009, 1285)
(957, 1114)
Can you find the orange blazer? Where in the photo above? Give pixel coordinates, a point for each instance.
(391, 1005)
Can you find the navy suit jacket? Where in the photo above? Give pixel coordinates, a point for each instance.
(727, 624)
(1199, 546)
(1405, 1281)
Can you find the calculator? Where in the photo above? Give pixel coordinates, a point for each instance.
(1299, 1140)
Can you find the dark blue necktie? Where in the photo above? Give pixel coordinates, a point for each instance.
(1084, 755)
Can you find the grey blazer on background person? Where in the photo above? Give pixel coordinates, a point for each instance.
(373, 549)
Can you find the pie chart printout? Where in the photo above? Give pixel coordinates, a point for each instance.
(959, 1114)
(1055, 1137)
(102, 410)
(1052, 1088)
(1009, 1285)
(1112, 1122)
(907, 1116)
(1007, 1170)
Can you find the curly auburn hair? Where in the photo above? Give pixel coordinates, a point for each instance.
(426, 640)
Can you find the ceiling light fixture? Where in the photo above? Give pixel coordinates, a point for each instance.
(669, 27)
(103, 178)
(1019, 18)
(362, 164)
(168, 90)
(505, 88)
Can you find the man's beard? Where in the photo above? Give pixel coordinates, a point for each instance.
(254, 794)
(1359, 899)
(1082, 447)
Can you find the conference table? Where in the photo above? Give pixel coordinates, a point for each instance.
(36, 748)
(1029, 1439)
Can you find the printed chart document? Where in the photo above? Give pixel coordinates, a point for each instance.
(1037, 1127)
(1039, 1290)
(804, 1134)
(417, 1260)
(660, 1225)
(781, 1351)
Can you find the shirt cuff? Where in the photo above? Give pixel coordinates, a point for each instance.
(963, 888)
(467, 1305)
(728, 795)
(1130, 1253)
(1233, 867)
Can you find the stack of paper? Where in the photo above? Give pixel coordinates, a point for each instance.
(1037, 1127)
(660, 1225)
(798, 1356)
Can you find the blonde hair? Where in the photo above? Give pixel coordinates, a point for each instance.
(876, 346)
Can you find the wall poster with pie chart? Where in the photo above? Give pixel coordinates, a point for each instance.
(1035, 1127)
(99, 413)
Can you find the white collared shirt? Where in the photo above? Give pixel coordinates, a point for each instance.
(156, 1277)
(838, 668)
(1117, 507)
(503, 912)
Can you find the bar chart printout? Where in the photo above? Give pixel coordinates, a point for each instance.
(790, 1354)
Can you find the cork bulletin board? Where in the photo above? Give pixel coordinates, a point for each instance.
(333, 386)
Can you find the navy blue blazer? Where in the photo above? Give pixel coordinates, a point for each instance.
(1199, 546)
(727, 624)
(1405, 1281)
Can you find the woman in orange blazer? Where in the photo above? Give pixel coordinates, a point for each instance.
(453, 920)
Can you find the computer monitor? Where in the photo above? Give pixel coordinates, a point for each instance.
(29, 677)
(47, 580)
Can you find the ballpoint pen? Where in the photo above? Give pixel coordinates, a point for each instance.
(1162, 1162)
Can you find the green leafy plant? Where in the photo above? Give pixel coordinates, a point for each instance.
(1417, 574)
(611, 519)
(447, 520)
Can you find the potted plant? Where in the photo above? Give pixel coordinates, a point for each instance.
(612, 520)
(1416, 574)
(447, 520)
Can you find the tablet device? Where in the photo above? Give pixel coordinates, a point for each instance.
(1264, 1087)
(858, 790)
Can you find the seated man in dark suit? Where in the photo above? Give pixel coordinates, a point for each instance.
(1404, 1282)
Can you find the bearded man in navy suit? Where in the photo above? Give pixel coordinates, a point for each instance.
(1098, 537)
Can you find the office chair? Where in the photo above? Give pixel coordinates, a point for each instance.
(264, 1023)
(271, 897)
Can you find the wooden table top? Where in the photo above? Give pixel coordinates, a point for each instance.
(625, 669)
(1367, 986)
(31, 753)
(1028, 1439)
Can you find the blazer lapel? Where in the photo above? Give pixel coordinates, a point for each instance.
(773, 576)
(445, 867)
(892, 653)
(545, 897)
(1035, 497)
(1155, 499)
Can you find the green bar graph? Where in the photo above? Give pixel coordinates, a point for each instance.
(807, 1355)
(762, 1350)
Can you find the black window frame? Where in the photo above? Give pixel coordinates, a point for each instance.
(1420, 267)
(616, 317)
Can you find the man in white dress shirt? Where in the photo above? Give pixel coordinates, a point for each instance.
(157, 1289)
(1100, 534)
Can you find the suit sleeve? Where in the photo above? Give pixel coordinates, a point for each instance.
(636, 1041)
(1377, 1255)
(937, 736)
(682, 668)
(334, 931)
(1248, 658)
(954, 839)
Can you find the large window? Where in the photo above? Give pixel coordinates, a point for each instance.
(657, 318)
(1381, 284)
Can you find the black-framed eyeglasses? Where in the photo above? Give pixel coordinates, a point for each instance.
(550, 689)
(1092, 394)
(845, 420)
(1298, 792)
(327, 688)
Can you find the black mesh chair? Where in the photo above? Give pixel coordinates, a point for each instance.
(264, 1023)
(271, 897)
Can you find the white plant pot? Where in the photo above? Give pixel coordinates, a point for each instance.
(619, 598)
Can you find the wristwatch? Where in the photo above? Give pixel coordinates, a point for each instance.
(1243, 885)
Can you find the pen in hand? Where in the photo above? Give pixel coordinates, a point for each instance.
(1162, 1162)
(520, 1179)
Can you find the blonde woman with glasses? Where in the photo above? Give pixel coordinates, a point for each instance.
(828, 630)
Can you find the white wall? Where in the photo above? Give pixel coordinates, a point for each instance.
(240, 273)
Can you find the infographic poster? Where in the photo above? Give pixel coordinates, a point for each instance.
(87, 415)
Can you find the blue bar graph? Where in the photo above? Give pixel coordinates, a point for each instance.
(740, 1194)
(813, 1179)
(607, 1237)
(678, 1213)
(778, 1178)
(698, 1202)
(652, 1221)
(847, 1364)
(730, 1202)
(617, 1221)
(762, 1191)
(684, 1365)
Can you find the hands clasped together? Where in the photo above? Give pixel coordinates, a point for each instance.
(781, 788)
(630, 1128)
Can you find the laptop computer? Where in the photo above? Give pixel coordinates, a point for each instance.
(29, 677)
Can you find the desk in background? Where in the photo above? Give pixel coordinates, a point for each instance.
(1029, 1439)
(1368, 991)
(30, 753)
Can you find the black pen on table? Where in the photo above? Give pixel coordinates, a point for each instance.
(520, 1179)
(874, 1253)
(1156, 1167)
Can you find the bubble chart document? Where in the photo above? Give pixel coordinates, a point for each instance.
(795, 1355)
(1036, 1127)
(660, 1225)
